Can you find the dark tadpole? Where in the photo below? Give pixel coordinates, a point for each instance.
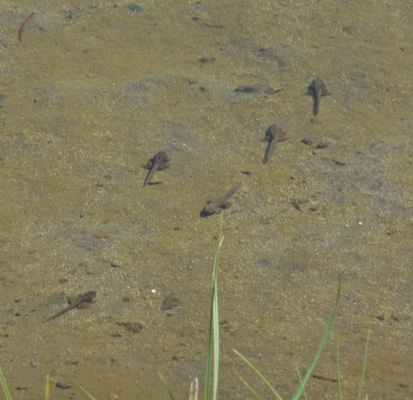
(215, 206)
(159, 162)
(316, 89)
(273, 134)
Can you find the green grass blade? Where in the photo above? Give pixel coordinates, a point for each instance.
(167, 387)
(320, 348)
(363, 372)
(338, 370)
(301, 381)
(76, 384)
(47, 391)
(213, 335)
(300, 389)
(191, 391)
(257, 395)
(4, 385)
(208, 365)
(216, 323)
(258, 373)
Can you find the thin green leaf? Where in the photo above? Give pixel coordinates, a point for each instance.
(4, 385)
(257, 395)
(216, 326)
(300, 389)
(363, 372)
(338, 370)
(76, 384)
(301, 381)
(320, 348)
(191, 391)
(167, 387)
(213, 335)
(258, 373)
(47, 391)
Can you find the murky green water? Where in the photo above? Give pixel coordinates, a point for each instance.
(95, 90)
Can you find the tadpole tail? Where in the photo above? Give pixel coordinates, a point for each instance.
(268, 151)
(317, 98)
(148, 177)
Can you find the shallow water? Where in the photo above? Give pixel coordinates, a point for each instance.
(95, 90)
